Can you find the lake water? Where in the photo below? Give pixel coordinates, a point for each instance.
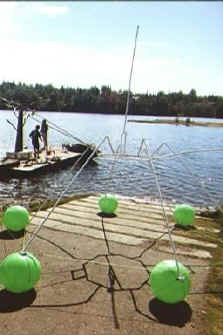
(195, 178)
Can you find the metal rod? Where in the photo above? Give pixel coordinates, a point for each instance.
(127, 104)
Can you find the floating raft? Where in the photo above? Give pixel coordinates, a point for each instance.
(24, 165)
(8, 163)
(136, 223)
(65, 159)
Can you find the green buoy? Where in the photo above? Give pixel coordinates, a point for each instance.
(16, 218)
(170, 283)
(108, 204)
(19, 272)
(184, 215)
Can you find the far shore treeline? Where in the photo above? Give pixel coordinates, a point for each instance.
(107, 101)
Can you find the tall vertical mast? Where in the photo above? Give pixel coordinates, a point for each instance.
(19, 132)
(124, 134)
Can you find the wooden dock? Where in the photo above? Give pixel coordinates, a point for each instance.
(136, 223)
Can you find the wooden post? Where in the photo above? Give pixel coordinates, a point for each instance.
(19, 133)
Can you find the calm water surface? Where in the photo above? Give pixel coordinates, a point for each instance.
(195, 178)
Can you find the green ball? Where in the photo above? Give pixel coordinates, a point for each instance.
(184, 215)
(108, 204)
(167, 285)
(16, 218)
(19, 272)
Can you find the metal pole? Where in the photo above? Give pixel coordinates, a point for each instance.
(128, 97)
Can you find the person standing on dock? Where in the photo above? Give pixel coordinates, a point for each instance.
(35, 136)
(44, 131)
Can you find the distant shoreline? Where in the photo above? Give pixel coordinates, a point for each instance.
(180, 122)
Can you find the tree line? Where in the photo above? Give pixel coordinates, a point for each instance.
(107, 101)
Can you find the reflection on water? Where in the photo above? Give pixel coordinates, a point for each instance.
(195, 178)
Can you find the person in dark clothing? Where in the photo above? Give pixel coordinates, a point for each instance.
(44, 131)
(35, 136)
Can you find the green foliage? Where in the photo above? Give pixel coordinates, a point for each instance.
(105, 100)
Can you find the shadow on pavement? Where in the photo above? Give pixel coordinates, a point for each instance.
(10, 235)
(11, 302)
(171, 314)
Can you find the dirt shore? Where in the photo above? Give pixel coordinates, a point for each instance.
(93, 286)
(78, 294)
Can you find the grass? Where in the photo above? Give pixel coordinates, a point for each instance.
(215, 285)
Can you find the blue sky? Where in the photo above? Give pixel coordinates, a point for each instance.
(83, 44)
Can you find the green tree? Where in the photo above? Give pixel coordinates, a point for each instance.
(193, 95)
